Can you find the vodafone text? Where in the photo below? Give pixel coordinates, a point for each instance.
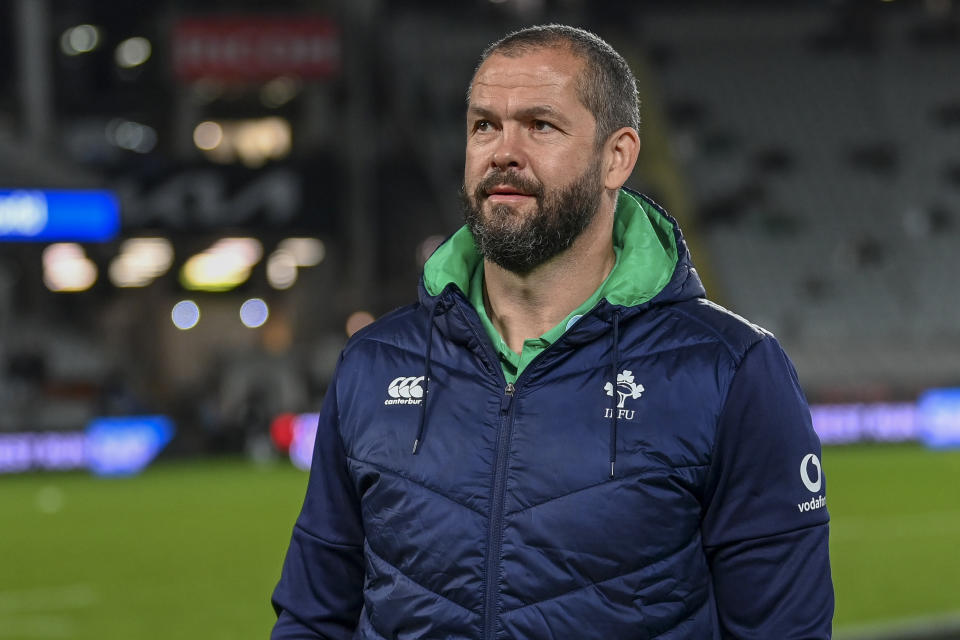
(813, 503)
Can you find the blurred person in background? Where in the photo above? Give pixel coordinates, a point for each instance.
(563, 438)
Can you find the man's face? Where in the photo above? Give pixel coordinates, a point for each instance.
(532, 175)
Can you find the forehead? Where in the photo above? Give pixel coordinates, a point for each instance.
(546, 74)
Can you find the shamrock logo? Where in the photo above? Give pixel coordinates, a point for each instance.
(626, 387)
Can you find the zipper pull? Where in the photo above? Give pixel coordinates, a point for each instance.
(507, 397)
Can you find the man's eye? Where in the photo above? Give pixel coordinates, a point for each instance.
(482, 125)
(541, 125)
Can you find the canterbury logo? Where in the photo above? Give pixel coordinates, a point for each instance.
(405, 390)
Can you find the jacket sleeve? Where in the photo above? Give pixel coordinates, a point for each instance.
(320, 590)
(765, 523)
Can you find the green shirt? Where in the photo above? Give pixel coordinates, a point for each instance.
(646, 253)
(514, 363)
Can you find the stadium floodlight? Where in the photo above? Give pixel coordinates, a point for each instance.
(281, 269)
(185, 315)
(132, 52)
(252, 142)
(207, 135)
(131, 136)
(308, 252)
(66, 268)
(254, 313)
(140, 262)
(82, 38)
(224, 266)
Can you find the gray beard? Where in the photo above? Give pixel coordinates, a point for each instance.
(520, 246)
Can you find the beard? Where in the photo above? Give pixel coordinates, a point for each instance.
(520, 243)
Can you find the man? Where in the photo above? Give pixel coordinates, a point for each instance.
(563, 438)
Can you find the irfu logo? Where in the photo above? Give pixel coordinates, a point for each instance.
(626, 388)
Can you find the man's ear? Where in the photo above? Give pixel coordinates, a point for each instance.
(621, 151)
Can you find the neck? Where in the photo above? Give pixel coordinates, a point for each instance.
(522, 307)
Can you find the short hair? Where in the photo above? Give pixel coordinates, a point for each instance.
(606, 86)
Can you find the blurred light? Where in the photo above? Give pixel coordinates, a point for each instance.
(262, 140)
(82, 38)
(223, 266)
(304, 437)
(23, 213)
(358, 320)
(155, 252)
(281, 431)
(141, 261)
(124, 445)
(88, 215)
(308, 252)
(205, 272)
(427, 247)
(30, 451)
(279, 91)
(132, 136)
(185, 315)
(66, 268)
(939, 418)
(254, 313)
(858, 422)
(207, 135)
(132, 52)
(281, 269)
(249, 250)
(49, 499)
(252, 142)
(124, 274)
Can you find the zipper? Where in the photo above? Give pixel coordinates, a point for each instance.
(495, 533)
(495, 530)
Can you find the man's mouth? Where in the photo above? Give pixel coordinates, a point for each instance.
(506, 193)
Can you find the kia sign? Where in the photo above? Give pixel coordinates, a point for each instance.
(255, 48)
(45, 215)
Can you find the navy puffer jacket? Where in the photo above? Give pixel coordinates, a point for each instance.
(445, 503)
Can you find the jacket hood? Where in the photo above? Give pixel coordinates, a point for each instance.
(654, 264)
(653, 267)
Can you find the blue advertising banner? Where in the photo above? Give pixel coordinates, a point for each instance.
(940, 418)
(126, 445)
(44, 215)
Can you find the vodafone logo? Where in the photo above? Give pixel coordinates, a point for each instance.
(812, 485)
(405, 390)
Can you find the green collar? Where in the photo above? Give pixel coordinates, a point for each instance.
(646, 257)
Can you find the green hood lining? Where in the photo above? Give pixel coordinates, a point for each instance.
(644, 236)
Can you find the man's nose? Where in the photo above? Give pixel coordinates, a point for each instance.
(509, 152)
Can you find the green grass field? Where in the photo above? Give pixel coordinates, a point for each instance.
(182, 551)
(192, 550)
(895, 532)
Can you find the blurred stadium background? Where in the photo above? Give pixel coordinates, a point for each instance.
(200, 200)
